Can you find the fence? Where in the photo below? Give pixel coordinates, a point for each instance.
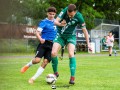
(17, 38)
(21, 38)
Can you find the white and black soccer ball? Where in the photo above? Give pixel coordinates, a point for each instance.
(51, 79)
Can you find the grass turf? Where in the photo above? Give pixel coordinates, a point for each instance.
(94, 72)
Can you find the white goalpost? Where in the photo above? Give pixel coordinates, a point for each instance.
(102, 30)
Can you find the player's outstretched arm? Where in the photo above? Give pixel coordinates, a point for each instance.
(87, 38)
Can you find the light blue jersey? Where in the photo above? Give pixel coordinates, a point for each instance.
(48, 29)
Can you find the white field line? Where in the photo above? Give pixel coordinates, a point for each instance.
(11, 63)
(1, 63)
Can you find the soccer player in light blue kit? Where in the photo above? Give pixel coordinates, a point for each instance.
(46, 33)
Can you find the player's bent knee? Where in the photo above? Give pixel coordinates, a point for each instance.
(45, 62)
(54, 54)
(36, 60)
(71, 55)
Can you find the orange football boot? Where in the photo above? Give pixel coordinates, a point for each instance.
(24, 69)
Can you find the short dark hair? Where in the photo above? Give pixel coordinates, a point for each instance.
(51, 9)
(110, 32)
(71, 7)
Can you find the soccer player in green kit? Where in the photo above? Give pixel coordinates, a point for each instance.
(66, 22)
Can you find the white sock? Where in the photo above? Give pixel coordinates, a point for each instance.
(38, 73)
(30, 63)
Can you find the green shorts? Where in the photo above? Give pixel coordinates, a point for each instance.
(65, 40)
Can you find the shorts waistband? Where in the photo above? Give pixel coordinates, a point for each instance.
(49, 40)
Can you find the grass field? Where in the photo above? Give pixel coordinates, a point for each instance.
(94, 72)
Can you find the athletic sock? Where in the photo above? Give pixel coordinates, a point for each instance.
(55, 64)
(72, 64)
(38, 73)
(72, 78)
(30, 63)
(56, 74)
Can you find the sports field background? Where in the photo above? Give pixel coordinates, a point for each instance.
(94, 72)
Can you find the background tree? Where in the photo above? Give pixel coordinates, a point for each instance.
(110, 8)
(36, 9)
(61, 3)
(89, 13)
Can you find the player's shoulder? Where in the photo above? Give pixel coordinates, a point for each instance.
(78, 14)
(44, 20)
(66, 8)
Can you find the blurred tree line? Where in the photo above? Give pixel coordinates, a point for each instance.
(30, 12)
(23, 11)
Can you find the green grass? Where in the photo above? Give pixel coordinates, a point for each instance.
(94, 72)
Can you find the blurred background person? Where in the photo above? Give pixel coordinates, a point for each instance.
(110, 42)
(103, 41)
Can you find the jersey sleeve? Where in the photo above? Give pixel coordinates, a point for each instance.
(41, 25)
(62, 13)
(81, 21)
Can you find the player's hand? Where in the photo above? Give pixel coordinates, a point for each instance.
(111, 40)
(89, 48)
(63, 23)
(42, 41)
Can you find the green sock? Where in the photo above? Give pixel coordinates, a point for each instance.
(54, 64)
(72, 65)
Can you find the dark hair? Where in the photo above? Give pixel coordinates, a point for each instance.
(71, 7)
(110, 32)
(51, 9)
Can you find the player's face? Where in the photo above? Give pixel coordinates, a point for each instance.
(71, 14)
(51, 15)
(110, 34)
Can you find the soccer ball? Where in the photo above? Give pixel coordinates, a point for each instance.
(51, 79)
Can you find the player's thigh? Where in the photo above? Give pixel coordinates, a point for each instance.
(36, 60)
(71, 39)
(60, 40)
(71, 49)
(55, 49)
(47, 55)
(40, 51)
(71, 43)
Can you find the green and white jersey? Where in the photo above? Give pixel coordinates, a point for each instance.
(69, 29)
